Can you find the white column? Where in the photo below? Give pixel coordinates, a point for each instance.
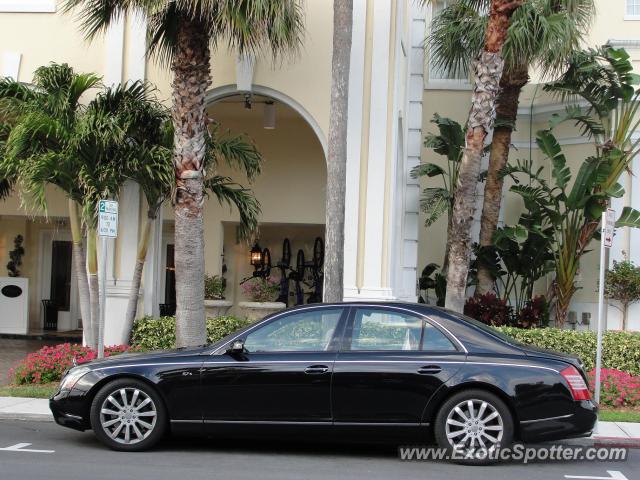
(377, 150)
(124, 257)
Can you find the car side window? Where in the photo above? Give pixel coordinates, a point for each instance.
(308, 331)
(379, 329)
(433, 340)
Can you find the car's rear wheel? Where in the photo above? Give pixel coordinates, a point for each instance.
(472, 425)
(128, 415)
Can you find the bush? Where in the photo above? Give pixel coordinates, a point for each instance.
(49, 363)
(534, 313)
(617, 389)
(160, 333)
(489, 309)
(620, 350)
(259, 289)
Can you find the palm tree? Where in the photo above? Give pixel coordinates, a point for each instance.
(6, 184)
(181, 33)
(487, 70)
(82, 149)
(43, 117)
(337, 154)
(150, 165)
(541, 34)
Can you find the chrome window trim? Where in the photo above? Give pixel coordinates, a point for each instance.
(416, 361)
(559, 417)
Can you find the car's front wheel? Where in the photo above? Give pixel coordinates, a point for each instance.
(128, 415)
(472, 425)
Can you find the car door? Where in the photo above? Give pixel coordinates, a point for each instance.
(391, 362)
(284, 374)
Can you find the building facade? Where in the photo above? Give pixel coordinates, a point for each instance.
(393, 94)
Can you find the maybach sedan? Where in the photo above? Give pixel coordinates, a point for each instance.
(381, 368)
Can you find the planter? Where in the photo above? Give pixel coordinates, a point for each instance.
(217, 308)
(255, 311)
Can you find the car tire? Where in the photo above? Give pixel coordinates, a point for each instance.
(472, 420)
(128, 415)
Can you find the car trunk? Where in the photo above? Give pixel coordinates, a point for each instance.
(569, 358)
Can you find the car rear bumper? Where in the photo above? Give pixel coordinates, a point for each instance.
(578, 424)
(68, 410)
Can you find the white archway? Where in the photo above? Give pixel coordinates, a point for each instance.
(219, 93)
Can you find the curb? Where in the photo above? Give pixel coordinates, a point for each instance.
(616, 442)
(31, 417)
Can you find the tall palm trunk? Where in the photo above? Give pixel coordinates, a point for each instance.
(94, 294)
(511, 84)
(134, 293)
(337, 155)
(80, 265)
(487, 70)
(191, 79)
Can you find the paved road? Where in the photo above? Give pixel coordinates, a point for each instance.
(79, 456)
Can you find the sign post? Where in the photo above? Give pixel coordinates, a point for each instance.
(608, 227)
(107, 228)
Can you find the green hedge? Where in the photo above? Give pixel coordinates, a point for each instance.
(160, 333)
(620, 350)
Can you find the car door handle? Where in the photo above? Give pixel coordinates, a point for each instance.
(429, 370)
(316, 369)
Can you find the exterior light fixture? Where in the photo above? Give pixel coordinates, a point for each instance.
(269, 119)
(256, 256)
(247, 101)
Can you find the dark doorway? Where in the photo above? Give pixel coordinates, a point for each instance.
(61, 257)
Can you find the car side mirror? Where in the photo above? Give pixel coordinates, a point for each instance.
(236, 347)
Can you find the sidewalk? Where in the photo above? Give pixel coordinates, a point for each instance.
(18, 408)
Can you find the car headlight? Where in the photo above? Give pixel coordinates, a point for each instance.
(72, 377)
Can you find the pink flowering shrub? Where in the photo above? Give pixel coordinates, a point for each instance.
(260, 289)
(618, 389)
(49, 363)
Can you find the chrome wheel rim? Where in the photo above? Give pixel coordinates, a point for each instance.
(128, 415)
(474, 424)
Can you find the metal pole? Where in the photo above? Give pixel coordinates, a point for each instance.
(601, 310)
(103, 296)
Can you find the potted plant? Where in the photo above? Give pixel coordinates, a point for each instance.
(262, 291)
(215, 304)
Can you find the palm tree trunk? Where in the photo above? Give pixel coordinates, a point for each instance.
(511, 84)
(191, 80)
(487, 70)
(94, 298)
(134, 293)
(337, 155)
(80, 265)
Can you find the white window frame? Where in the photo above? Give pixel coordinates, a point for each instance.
(28, 6)
(628, 16)
(442, 83)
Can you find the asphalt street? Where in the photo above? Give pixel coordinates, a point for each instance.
(41, 450)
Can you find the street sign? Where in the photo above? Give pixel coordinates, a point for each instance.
(609, 227)
(108, 218)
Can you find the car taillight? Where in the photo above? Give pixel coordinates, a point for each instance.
(577, 385)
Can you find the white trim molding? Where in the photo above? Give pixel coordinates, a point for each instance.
(626, 43)
(27, 6)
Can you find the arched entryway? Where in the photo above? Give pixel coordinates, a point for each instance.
(291, 188)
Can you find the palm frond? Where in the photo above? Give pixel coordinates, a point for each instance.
(237, 151)
(233, 194)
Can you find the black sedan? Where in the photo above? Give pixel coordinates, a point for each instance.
(378, 368)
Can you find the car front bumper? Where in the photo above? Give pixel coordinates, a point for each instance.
(68, 409)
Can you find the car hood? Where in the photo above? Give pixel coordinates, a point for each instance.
(147, 356)
(532, 351)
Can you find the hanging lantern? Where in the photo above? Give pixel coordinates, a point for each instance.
(256, 256)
